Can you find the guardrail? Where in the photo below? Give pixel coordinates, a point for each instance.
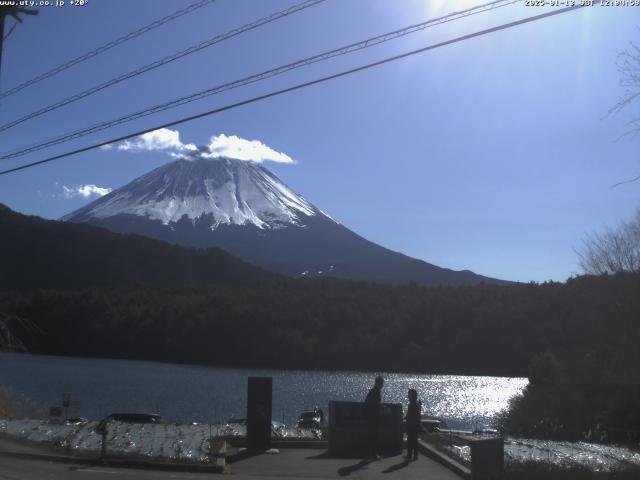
(476, 457)
(160, 442)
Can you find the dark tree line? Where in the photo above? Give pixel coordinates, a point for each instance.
(493, 330)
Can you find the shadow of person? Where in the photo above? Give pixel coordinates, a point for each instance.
(397, 466)
(242, 455)
(344, 471)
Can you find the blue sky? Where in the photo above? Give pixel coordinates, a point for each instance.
(492, 154)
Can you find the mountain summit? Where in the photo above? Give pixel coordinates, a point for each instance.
(242, 207)
(222, 190)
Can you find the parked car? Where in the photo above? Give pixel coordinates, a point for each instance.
(310, 419)
(128, 418)
(236, 426)
(433, 424)
(279, 429)
(237, 421)
(76, 420)
(135, 417)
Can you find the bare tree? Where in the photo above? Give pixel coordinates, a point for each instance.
(615, 250)
(629, 69)
(8, 341)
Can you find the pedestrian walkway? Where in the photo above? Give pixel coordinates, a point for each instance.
(27, 450)
(40, 462)
(311, 463)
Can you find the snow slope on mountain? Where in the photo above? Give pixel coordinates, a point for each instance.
(233, 192)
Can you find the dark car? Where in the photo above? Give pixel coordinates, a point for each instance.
(237, 421)
(235, 426)
(134, 417)
(128, 418)
(310, 419)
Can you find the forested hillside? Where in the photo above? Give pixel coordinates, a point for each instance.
(38, 253)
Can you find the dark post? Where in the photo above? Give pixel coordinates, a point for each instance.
(15, 12)
(103, 445)
(259, 390)
(2, 15)
(487, 458)
(66, 401)
(101, 428)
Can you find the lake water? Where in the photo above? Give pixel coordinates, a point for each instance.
(189, 393)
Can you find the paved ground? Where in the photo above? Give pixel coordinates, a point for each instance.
(19, 469)
(23, 448)
(15, 464)
(302, 463)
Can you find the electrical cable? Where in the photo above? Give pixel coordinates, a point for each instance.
(163, 61)
(370, 42)
(105, 47)
(305, 84)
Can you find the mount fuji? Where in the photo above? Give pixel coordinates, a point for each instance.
(242, 207)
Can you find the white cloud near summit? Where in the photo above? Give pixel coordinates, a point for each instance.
(242, 149)
(231, 146)
(84, 191)
(162, 139)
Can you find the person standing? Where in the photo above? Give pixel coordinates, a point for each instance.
(413, 424)
(372, 413)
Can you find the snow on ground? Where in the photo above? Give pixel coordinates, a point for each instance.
(596, 457)
(189, 443)
(182, 443)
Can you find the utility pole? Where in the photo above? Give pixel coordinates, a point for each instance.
(15, 13)
(2, 15)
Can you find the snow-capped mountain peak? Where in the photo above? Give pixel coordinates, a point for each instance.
(224, 190)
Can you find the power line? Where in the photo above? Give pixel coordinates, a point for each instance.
(631, 180)
(304, 85)
(163, 61)
(370, 42)
(107, 46)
